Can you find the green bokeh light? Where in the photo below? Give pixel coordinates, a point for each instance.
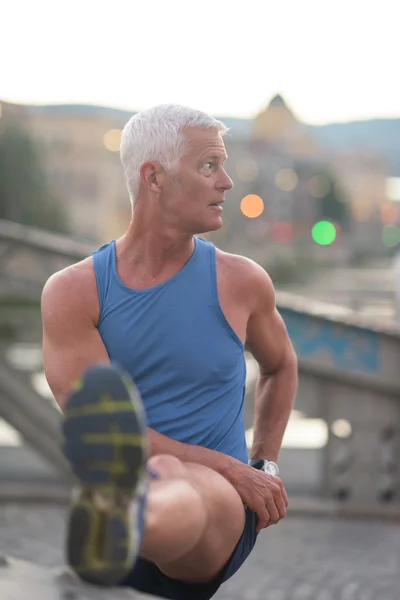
(390, 235)
(323, 233)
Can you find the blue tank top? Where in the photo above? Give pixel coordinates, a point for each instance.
(185, 358)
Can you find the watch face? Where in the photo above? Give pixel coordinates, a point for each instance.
(271, 468)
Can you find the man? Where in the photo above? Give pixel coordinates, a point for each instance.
(175, 313)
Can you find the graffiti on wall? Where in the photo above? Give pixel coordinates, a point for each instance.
(349, 348)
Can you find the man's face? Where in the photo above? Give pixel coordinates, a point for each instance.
(193, 198)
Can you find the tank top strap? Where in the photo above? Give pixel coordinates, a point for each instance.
(103, 262)
(200, 277)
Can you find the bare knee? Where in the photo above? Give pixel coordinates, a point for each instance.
(216, 492)
(175, 521)
(218, 495)
(214, 487)
(224, 516)
(225, 509)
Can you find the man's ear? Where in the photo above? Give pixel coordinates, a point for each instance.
(151, 175)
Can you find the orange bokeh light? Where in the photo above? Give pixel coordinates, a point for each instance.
(252, 206)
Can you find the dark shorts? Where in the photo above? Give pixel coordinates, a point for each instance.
(147, 578)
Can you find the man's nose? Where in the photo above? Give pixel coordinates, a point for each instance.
(226, 182)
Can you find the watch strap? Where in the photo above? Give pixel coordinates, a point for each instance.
(257, 463)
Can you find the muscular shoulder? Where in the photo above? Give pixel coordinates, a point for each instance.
(246, 279)
(72, 290)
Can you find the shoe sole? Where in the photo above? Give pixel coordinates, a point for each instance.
(105, 444)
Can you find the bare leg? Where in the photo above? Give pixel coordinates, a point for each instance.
(175, 520)
(195, 519)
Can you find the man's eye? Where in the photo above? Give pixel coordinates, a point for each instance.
(209, 165)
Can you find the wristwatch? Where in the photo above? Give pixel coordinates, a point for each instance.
(268, 466)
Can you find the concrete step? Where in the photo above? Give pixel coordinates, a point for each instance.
(20, 579)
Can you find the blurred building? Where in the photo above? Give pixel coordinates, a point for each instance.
(276, 159)
(277, 123)
(363, 177)
(302, 183)
(79, 148)
(282, 164)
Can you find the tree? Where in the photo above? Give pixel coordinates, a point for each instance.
(24, 193)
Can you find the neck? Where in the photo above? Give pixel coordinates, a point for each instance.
(155, 242)
(152, 248)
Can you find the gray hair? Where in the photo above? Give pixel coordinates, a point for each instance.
(157, 134)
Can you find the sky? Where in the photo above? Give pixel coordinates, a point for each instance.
(331, 60)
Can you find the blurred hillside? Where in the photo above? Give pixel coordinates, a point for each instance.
(380, 135)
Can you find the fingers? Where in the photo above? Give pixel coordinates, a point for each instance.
(280, 507)
(284, 494)
(276, 501)
(271, 510)
(261, 525)
(265, 495)
(273, 506)
(263, 516)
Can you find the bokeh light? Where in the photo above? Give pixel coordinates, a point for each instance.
(319, 186)
(390, 235)
(112, 140)
(252, 206)
(286, 180)
(324, 233)
(393, 188)
(341, 428)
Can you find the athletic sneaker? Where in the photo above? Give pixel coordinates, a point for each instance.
(105, 443)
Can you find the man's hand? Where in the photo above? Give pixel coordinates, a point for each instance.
(262, 493)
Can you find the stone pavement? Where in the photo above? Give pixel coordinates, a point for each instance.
(302, 558)
(17, 576)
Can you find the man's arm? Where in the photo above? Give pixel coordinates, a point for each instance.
(268, 341)
(71, 341)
